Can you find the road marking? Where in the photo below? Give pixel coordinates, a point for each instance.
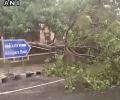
(18, 90)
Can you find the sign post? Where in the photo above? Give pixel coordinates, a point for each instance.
(15, 48)
(3, 48)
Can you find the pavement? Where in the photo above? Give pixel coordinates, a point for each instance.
(54, 91)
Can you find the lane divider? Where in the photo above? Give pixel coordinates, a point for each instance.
(27, 88)
(11, 77)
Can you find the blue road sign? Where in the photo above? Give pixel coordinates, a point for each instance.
(15, 48)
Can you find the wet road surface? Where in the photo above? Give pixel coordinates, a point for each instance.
(54, 91)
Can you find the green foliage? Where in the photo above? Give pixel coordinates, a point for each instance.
(96, 27)
(27, 16)
(72, 73)
(96, 76)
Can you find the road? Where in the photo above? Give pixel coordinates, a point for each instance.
(54, 91)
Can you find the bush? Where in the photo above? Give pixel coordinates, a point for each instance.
(93, 79)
